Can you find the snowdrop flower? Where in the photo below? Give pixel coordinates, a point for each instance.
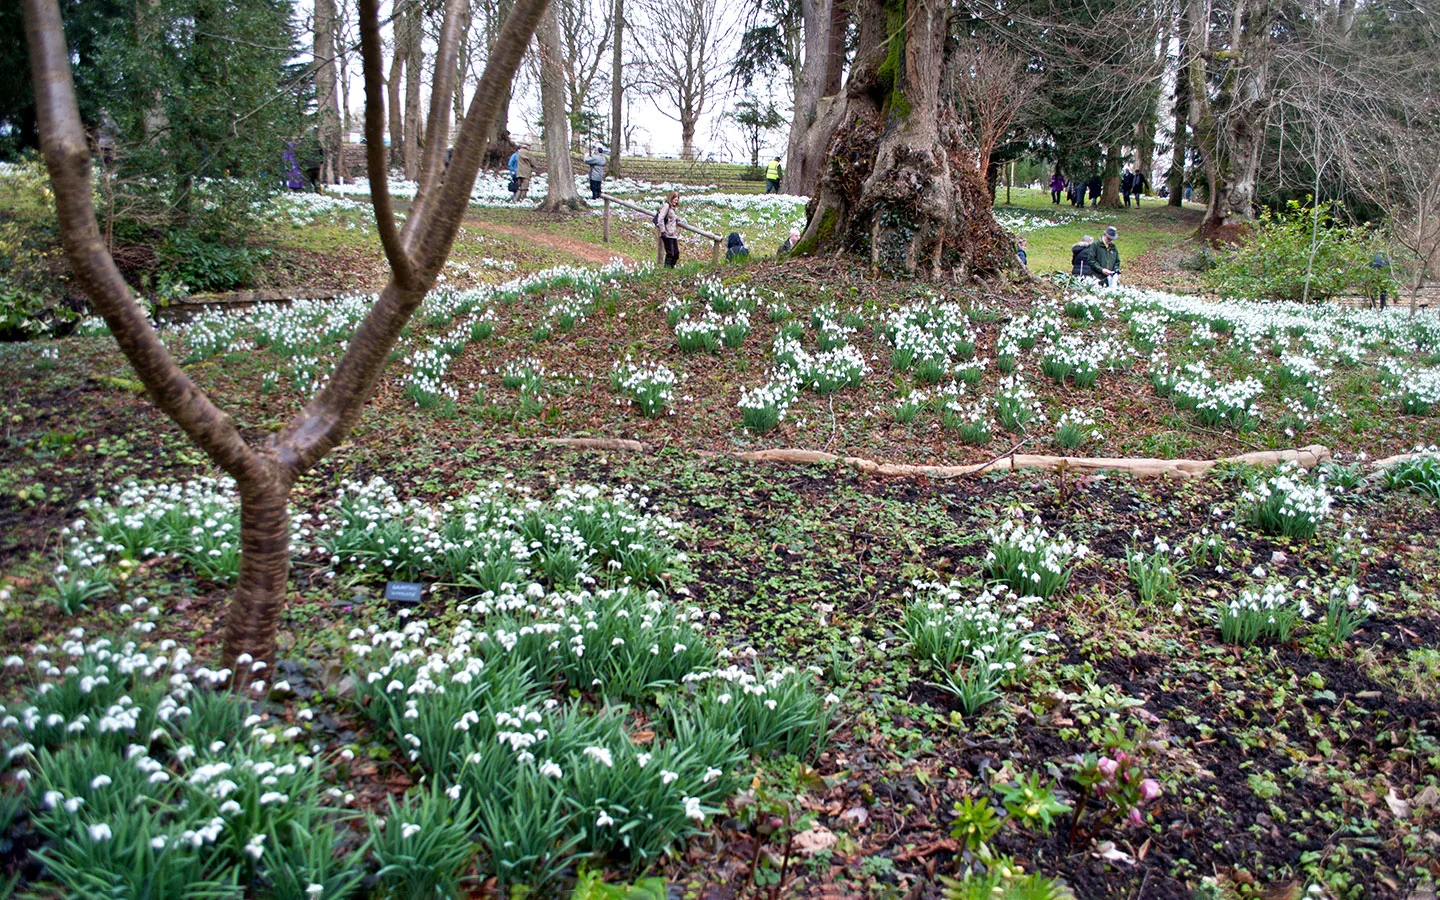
(99, 832)
(255, 847)
(602, 755)
(453, 792)
(409, 830)
(711, 773)
(315, 890)
(550, 770)
(693, 810)
(604, 820)
(99, 781)
(158, 842)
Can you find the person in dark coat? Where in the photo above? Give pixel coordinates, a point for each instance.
(1138, 188)
(1127, 184)
(735, 247)
(1080, 187)
(1080, 257)
(1104, 258)
(790, 242)
(1095, 186)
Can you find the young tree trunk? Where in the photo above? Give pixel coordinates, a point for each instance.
(327, 100)
(617, 88)
(810, 126)
(1110, 189)
(897, 185)
(561, 194)
(414, 69)
(396, 111)
(687, 136)
(1175, 178)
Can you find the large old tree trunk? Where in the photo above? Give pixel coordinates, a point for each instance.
(561, 194)
(898, 185)
(1229, 125)
(414, 69)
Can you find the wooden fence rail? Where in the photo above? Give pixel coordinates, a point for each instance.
(715, 239)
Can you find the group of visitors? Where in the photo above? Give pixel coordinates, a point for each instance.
(522, 169)
(1098, 260)
(1132, 184)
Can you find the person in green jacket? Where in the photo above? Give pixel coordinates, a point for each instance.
(1105, 258)
(773, 174)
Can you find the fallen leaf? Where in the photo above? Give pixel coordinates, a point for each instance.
(1110, 853)
(817, 839)
(1401, 808)
(857, 814)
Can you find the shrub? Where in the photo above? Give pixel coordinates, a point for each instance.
(1273, 261)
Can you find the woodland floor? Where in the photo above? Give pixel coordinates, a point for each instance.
(1282, 766)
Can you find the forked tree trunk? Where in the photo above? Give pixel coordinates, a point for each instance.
(561, 194)
(898, 186)
(264, 472)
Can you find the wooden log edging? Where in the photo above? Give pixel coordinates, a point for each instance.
(1304, 457)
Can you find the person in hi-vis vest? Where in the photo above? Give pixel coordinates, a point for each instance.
(773, 174)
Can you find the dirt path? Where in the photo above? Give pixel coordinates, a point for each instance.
(598, 254)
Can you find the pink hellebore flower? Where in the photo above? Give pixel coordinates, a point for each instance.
(1135, 818)
(1149, 789)
(1108, 766)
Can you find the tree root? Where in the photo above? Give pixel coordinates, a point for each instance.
(1305, 457)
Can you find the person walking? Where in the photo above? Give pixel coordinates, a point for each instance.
(1057, 186)
(1095, 186)
(1138, 187)
(773, 174)
(1104, 258)
(790, 242)
(514, 166)
(1080, 187)
(596, 161)
(524, 170)
(1127, 184)
(1080, 257)
(668, 221)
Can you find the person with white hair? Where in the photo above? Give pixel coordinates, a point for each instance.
(790, 242)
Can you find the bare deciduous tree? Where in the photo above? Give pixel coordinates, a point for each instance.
(266, 467)
(683, 56)
(990, 87)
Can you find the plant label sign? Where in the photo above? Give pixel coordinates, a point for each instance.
(405, 593)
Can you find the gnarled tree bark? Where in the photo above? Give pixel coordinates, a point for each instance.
(265, 470)
(898, 185)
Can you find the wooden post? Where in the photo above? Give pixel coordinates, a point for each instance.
(659, 249)
(606, 235)
(715, 251)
